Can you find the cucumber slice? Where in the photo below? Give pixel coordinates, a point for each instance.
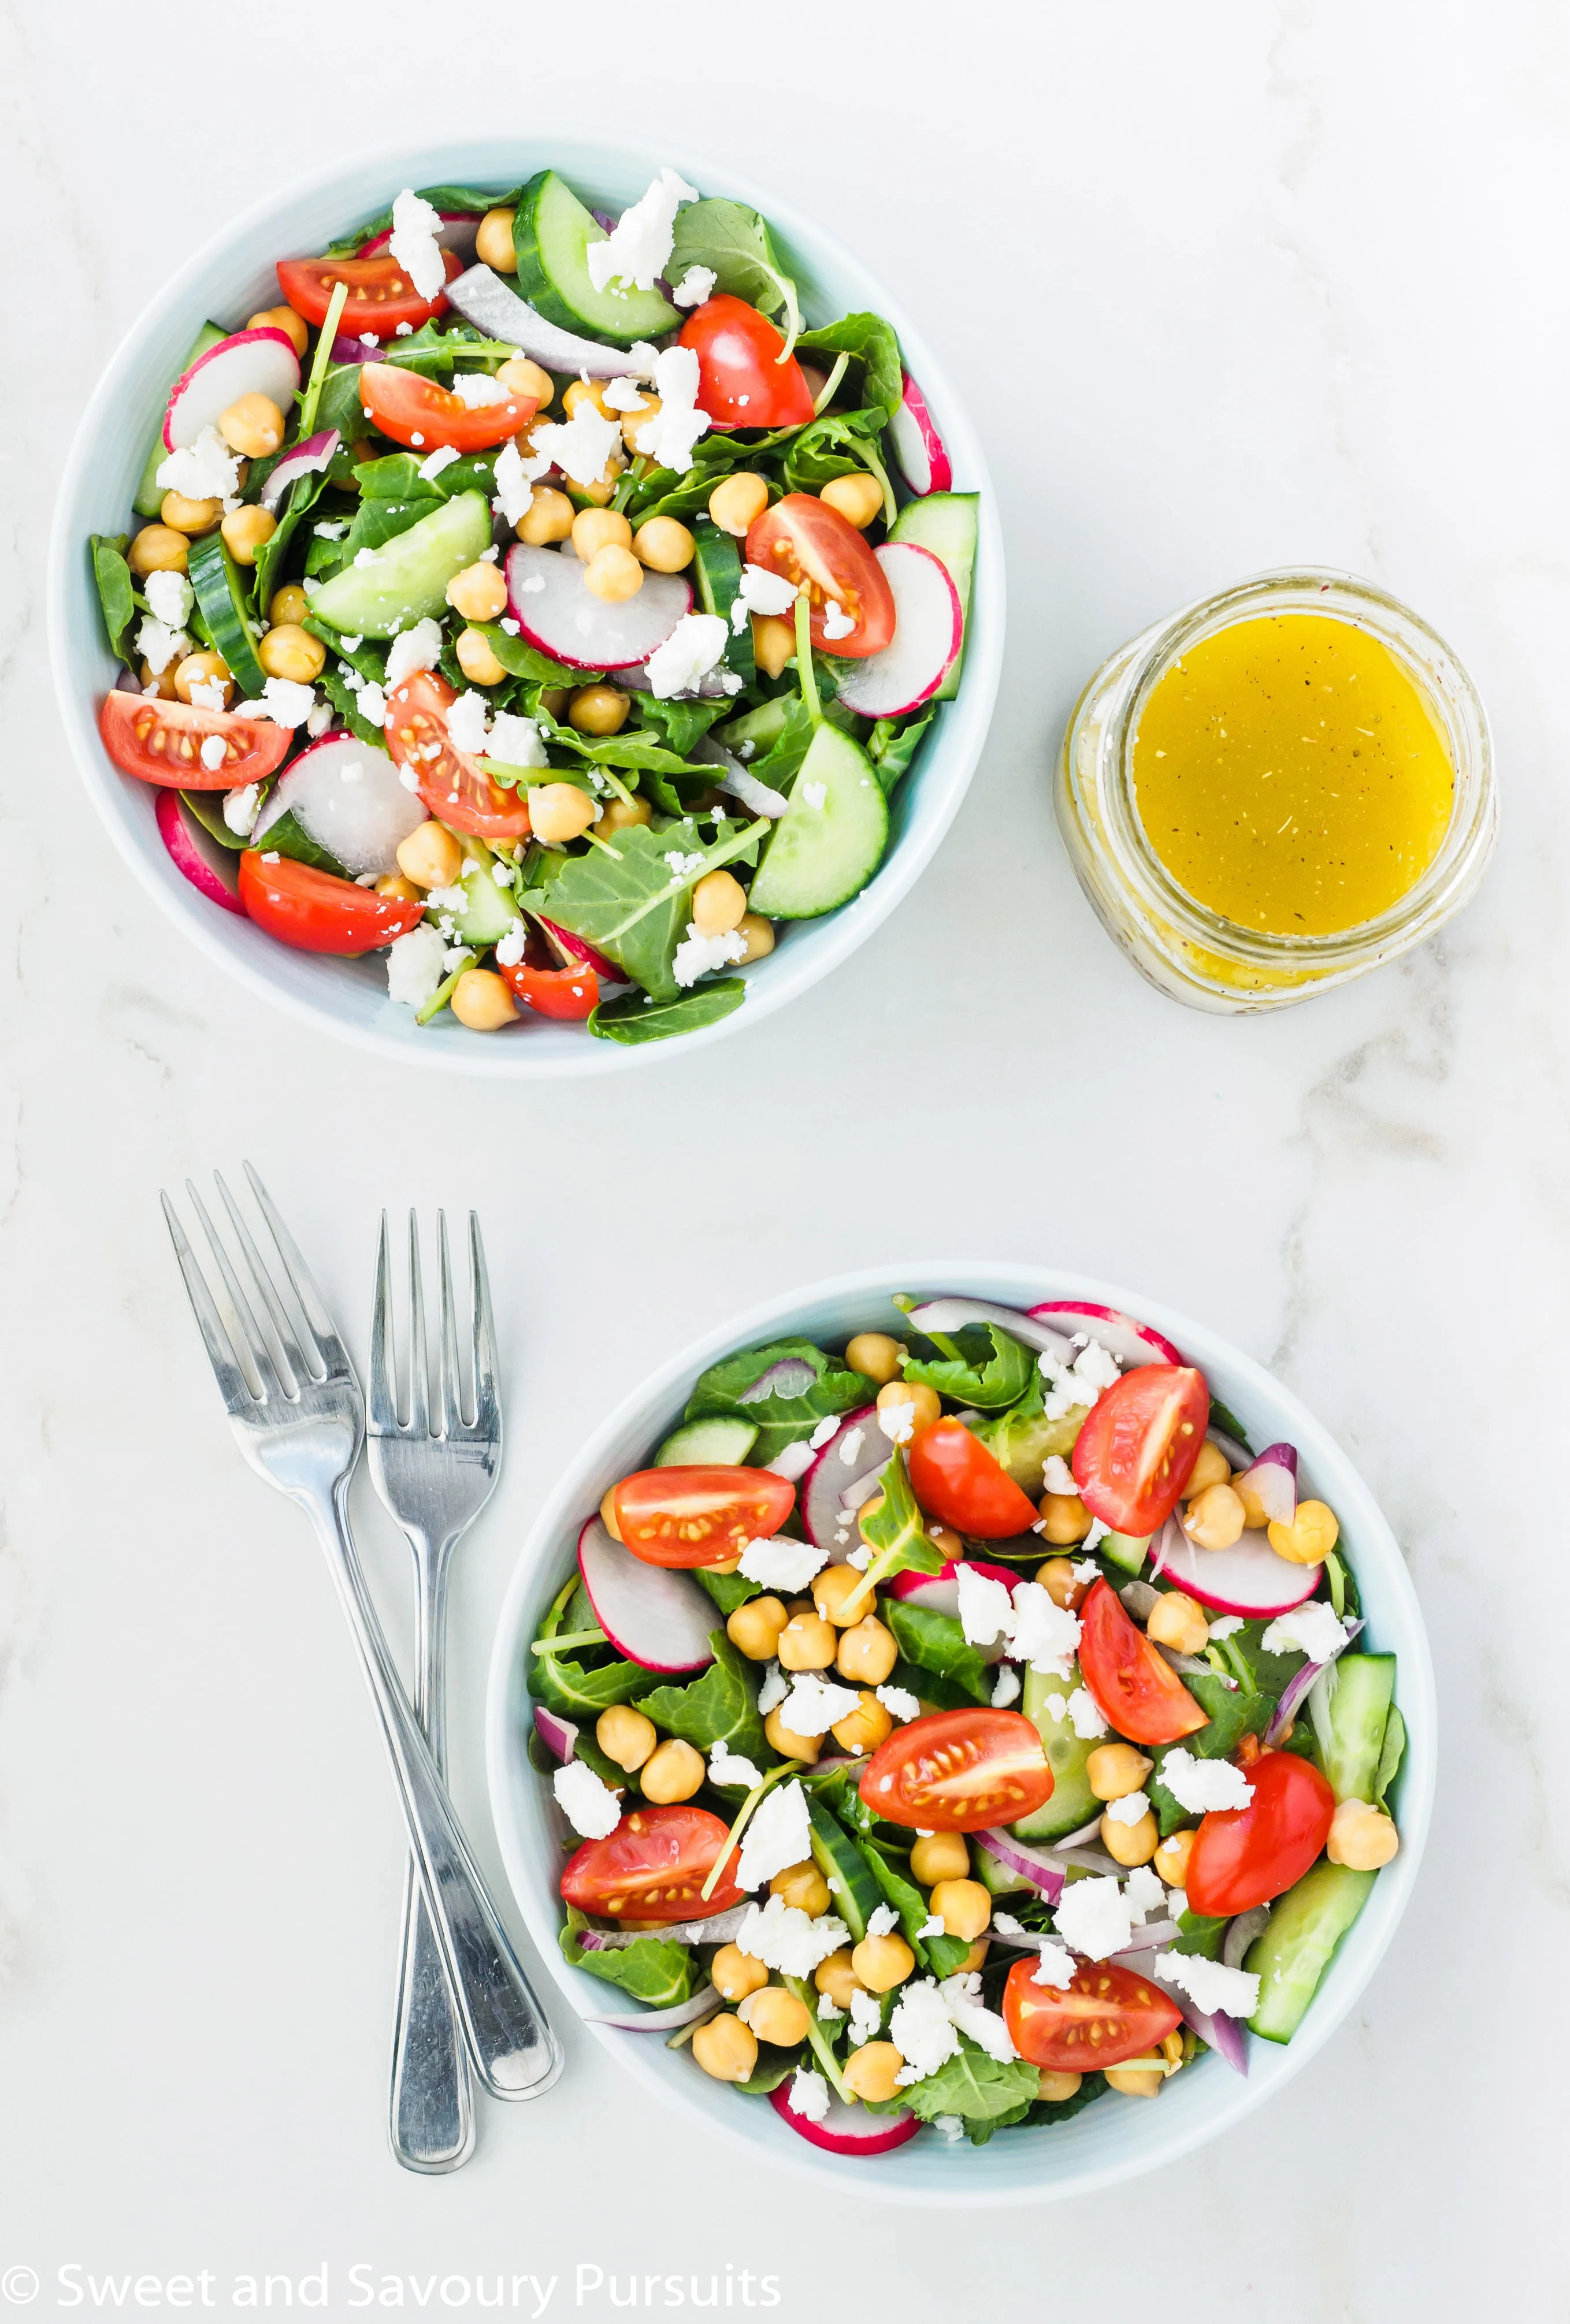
(855, 1892)
(149, 495)
(220, 592)
(489, 912)
(1073, 1803)
(1350, 1705)
(945, 523)
(409, 577)
(761, 727)
(1127, 1550)
(551, 231)
(716, 569)
(1291, 1955)
(994, 1875)
(829, 843)
(725, 1442)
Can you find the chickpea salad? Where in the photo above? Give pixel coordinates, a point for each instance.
(952, 1729)
(531, 596)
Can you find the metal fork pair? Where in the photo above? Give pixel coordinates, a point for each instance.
(296, 1409)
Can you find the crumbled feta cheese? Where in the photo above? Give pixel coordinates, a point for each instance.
(1144, 1891)
(515, 480)
(170, 598)
(1210, 1984)
(413, 649)
(286, 703)
(813, 796)
(828, 2013)
(1312, 1629)
(1176, 1904)
(589, 1805)
(860, 1558)
(413, 242)
(159, 645)
(897, 1419)
(365, 557)
(331, 532)
(414, 968)
(637, 250)
(986, 1611)
(693, 648)
(1069, 1386)
(207, 470)
(826, 1429)
(515, 741)
(456, 955)
(932, 1926)
(814, 1704)
(836, 622)
(625, 394)
(369, 340)
(952, 2126)
(772, 1692)
(778, 1834)
(403, 331)
(694, 286)
(782, 1937)
(728, 1767)
(1201, 1784)
(696, 954)
(1005, 1687)
(1129, 1809)
(212, 752)
(372, 705)
(468, 722)
(866, 2011)
(1044, 1635)
(581, 445)
(922, 2031)
(478, 390)
(1056, 1967)
(761, 592)
(1092, 1917)
(210, 693)
(781, 1563)
(1226, 1626)
(241, 806)
(317, 724)
(350, 645)
(668, 439)
(791, 1461)
(1058, 1476)
(431, 467)
(899, 1702)
(1083, 1714)
(808, 2095)
(509, 950)
(882, 1921)
(961, 1998)
(849, 1451)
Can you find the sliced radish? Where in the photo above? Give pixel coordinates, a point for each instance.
(939, 1593)
(845, 2129)
(1125, 1341)
(858, 1451)
(574, 953)
(928, 629)
(458, 232)
(207, 863)
(1248, 1579)
(316, 452)
(918, 446)
(565, 618)
(493, 306)
(710, 685)
(655, 1615)
(950, 1315)
(250, 363)
(346, 796)
(1273, 1481)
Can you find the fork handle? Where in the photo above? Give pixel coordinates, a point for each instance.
(511, 2045)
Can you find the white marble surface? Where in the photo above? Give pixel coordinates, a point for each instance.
(1230, 285)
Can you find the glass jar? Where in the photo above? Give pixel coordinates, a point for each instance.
(1181, 946)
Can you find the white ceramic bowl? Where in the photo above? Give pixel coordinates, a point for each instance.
(1116, 2137)
(232, 276)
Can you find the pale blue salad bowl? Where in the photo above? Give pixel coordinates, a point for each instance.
(1117, 2137)
(230, 277)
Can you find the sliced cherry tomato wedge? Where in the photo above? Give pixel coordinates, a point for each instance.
(1243, 1857)
(422, 412)
(453, 787)
(1134, 1687)
(699, 1516)
(958, 1481)
(651, 1867)
(959, 1771)
(1133, 1457)
(162, 743)
(1101, 2016)
(741, 380)
(381, 295)
(569, 994)
(809, 542)
(316, 912)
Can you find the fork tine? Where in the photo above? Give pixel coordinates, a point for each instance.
(233, 1385)
(383, 1416)
(293, 1355)
(330, 1347)
(261, 1354)
(419, 1379)
(487, 1410)
(452, 1403)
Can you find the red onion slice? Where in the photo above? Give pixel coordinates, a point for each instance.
(208, 864)
(659, 2021)
(577, 953)
(1273, 1480)
(1238, 1455)
(718, 1930)
(1299, 1686)
(493, 306)
(1241, 1934)
(792, 1376)
(560, 1736)
(304, 458)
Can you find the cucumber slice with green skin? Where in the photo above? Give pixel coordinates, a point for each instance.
(552, 232)
(1291, 1955)
(717, 567)
(409, 578)
(945, 523)
(701, 1443)
(830, 841)
(489, 912)
(220, 593)
(994, 1875)
(1350, 1705)
(851, 1888)
(761, 727)
(1073, 1803)
(1126, 1550)
(149, 495)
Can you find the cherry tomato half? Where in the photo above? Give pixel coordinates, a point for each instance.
(651, 1867)
(1133, 1457)
(316, 912)
(811, 544)
(699, 1516)
(569, 994)
(162, 743)
(381, 295)
(422, 413)
(1133, 1685)
(957, 1481)
(1243, 1857)
(959, 1771)
(741, 380)
(1101, 2016)
(453, 787)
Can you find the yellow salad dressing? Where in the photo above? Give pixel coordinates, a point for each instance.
(1290, 774)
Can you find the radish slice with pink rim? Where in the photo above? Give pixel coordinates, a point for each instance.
(206, 862)
(574, 953)
(316, 452)
(857, 1450)
(1273, 1481)
(918, 447)
(563, 617)
(929, 631)
(654, 1615)
(1128, 1343)
(846, 2129)
(1248, 1579)
(249, 363)
(949, 1315)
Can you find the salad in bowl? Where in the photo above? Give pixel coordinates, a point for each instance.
(955, 1727)
(529, 597)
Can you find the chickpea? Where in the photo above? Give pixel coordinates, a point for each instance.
(476, 660)
(1310, 1538)
(600, 495)
(613, 575)
(883, 1962)
(674, 1771)
(922, 1399)
(776, 2016)
(1134, 2082)
(624, 814)
(1064, 1518)
(837, 1978)
(559, 812)
(941, 1856)
(161, 681)
(726, 2049)
(554, 699)
(831, 1588)
(1130, 1843)
(867, 1652)
(1212, 1468)
(284, 320)
(946, 1541)
(1177, 1620)
(877, 1355)
(598, 710)
(158, 549)
(608, 1517)
(288, 603)
(719, 903)
(1213, 1518)
(392, 883)
(1056, 1578)
(1171, 1858)
(202, 670)
(759, 934)
(773, 642)
(754, 1628)
(596, 528)
(252, 426)
(626, 1736)
(1361, 1837)
(1054, 2087)
(477, 593)
(245, 528)
(803, 1886)
(433, 857)
(806, 1643)
(482, 1000)
(1113, 1770)
(964, 1907)
(493, 242)
(873, 2071)
(189, 516)
(858, 498)
(734, 1974)
(363, 449)
(865, 1727)
(521, 377)
(547, 517)
(587, 391)
(664, 545)
(736, 502)
(289, 651)
(785, 1742)
(634, 422)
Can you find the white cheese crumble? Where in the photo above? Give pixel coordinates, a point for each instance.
(170, 598)
(413, 242)
(1044, 1635)
(582, 447)
(209, 694)
(637, 250)
(1312, 1629)
(782, 1937)
(1210, 1984)
(468, 722)
(1056, 1967)
(515, 480)
(808, 2095)
(836, 622)
(477, 389)
(207, 470)
(286, 702)
(696, 954)
(813, 1706)
(961, 1998)
(431, 467)
(952, 2126)
(414, 970)
(1201, 1784)
(212, 753)
(516, 742)
(693, 648)
(987, 1612)
(899, 1702)
(828, 2013)
(625, 394)
(1069, 1386)
(510, 948)
(882, 1921)
(728, 1767)
(849, 1451)
(1005, 1687)
(413, 649)
(1058, 1476)
(694, 286)
(1092, 1917)
(1144, 1891)
(897, 1419)
(760, 592)
(241, 807)
(776, 1686)
(814, 794)
(778, 1834)
(781, 1564)
(866, 2012)
(1226, 1626)
(325, 531)
(932, 1926)
(922, 2031)
(372, 704)
(1129, 1809)
(1080, 1710)
(668, 439)
(159, 645)
(589, 1805)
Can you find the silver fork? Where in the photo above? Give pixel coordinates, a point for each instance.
(298, 1415)
(433, 1480)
